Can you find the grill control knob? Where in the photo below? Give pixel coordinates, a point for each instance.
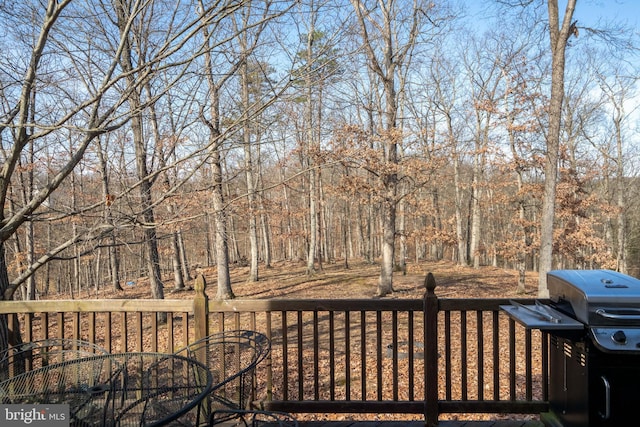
(619, 337)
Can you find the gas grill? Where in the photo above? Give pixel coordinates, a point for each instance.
(593, 321)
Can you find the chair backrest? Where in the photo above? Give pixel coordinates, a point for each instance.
(158, 389)
(37, 354)
(232, 357)
(75, 381)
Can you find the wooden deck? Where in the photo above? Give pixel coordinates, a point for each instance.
(510, 423)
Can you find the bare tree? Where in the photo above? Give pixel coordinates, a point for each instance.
(617, 90)
(114, 259)
(217, 76)
(130, 16)
(559, 33)
(252, 75)
(213, 122)
(485, 78)
(311, 141)
(446, 98)
(387, 51)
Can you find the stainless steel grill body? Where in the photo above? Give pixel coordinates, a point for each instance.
(595, 371)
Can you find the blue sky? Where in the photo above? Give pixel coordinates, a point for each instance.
(625, 11)
(588, 12)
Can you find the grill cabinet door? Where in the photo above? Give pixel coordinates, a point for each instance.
(568, 382)
(588, 387)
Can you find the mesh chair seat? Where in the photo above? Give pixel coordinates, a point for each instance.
(232, 358)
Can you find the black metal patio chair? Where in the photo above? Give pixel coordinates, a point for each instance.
(232, 358)
(116, 390)
(156, 389)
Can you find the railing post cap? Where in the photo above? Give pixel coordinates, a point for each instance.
(430, 283)
(200, 284)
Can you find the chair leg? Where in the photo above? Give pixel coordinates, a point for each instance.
(253, 418)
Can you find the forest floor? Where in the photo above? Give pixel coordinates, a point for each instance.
(360, 280)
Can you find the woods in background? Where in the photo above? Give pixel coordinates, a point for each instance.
(145, 139)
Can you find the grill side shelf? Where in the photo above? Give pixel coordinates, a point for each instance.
(528, 318)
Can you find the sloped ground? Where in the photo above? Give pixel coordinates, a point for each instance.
(289, 280)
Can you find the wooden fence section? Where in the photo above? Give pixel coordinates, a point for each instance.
(335, 356)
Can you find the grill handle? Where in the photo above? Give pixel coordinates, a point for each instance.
(604, 313)
(607, 399)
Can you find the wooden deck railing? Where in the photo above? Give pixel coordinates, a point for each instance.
(335, 356)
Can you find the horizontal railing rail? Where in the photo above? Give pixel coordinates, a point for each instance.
(117, 325)
(406, 356)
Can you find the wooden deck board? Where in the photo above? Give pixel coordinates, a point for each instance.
(501, 423)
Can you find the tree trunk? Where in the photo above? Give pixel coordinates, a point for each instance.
(4, 285)
(249, 172)
(288, 225)
(151, 242)
(176, 261)
(210, 250)
(9, 325)
(436, 246)
(475, 213)
(233, 251)
(461, 237)
(75, 285)
(346, 245)
(184, 262)
(403, 237)
(266, 238)
(558, 36)
(369, 227)
(312, 249)
(219, 211)
(224, 290)
(323, 228)
(222, 248)
(313, 223)
(621, 249)
(521, 256)
(385, 284)
(384, 65)
(47, 271)
(31, 258)
(114, 262)
(146, 203)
